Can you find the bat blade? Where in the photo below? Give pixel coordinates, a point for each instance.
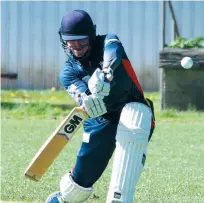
(55, 143)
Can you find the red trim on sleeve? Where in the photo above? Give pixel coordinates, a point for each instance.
(152, 124)
(131, 73)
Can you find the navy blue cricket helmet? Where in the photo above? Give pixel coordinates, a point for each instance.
(76, 25)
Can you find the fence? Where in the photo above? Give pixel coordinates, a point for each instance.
(30, 44)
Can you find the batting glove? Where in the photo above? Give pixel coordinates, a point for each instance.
(108, 73)
(97, 84)
(94, 106)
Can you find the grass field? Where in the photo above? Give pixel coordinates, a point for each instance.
(174, 170)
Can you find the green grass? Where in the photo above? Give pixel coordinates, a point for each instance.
(40, 104)
(27, 96)
(173, 172)
(53, 104)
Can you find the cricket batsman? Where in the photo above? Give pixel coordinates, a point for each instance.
(100, 77)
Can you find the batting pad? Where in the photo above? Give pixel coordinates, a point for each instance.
(131, 145)
(72, 192)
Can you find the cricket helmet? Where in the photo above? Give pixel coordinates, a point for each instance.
(76, 25)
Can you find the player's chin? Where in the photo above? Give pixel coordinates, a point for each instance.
(79, 55)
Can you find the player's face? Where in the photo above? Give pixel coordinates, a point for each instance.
(78, 47)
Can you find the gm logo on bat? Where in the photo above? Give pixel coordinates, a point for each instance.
(73, 123)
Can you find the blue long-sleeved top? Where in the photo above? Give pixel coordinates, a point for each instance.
(106, 51)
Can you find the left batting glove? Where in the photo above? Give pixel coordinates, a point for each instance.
(97, 84)
(94, 106)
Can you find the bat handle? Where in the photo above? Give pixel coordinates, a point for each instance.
(82, 109)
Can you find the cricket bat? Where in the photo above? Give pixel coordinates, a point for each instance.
(55, 143)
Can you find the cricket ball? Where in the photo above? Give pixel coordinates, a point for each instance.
(186, 62)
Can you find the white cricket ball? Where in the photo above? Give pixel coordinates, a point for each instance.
(187, 62)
